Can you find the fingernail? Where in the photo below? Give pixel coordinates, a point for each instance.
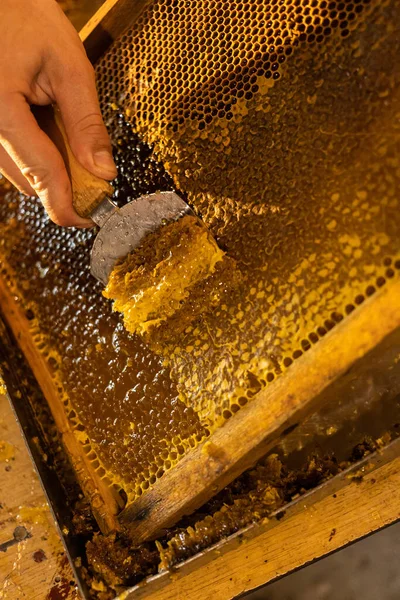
(103, 160)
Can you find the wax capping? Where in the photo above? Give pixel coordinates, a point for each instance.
(155, 279)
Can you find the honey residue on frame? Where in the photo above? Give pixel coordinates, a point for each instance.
(7, 451)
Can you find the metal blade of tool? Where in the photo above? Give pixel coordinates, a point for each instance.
(121, 229)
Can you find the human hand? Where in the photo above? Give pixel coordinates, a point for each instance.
(42, 61)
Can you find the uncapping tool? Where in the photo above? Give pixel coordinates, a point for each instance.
(121, 229)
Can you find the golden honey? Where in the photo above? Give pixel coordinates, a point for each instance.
(153, 282)
(278, 123)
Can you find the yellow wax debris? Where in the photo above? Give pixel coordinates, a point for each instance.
(153, 281)
(7, 451)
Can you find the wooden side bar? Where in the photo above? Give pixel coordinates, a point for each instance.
(109, 22)
(354, 504)
(254, 430)
(105, 501)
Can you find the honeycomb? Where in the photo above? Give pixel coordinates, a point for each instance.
(119, 397)
(278, 121)
(153, 282)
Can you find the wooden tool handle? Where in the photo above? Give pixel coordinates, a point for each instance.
(88, 191)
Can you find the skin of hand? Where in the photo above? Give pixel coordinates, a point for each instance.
(42, 61)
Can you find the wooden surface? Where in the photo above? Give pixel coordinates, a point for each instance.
(250, 433)
(35, 568)
(346, 508)
(105, 501)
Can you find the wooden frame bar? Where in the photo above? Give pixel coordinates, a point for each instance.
(105, 502)
(254, 430)
(109, 22)
(352, 505)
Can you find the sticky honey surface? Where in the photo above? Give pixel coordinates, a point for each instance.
(279, 123)
(154, 281)
(118, 395)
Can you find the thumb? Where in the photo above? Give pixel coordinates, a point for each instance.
(78, 102)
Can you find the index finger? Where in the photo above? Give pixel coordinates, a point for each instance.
(38, 160)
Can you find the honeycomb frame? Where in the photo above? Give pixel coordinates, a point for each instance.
(355, 225)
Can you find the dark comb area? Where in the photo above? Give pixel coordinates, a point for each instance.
(107, 378)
